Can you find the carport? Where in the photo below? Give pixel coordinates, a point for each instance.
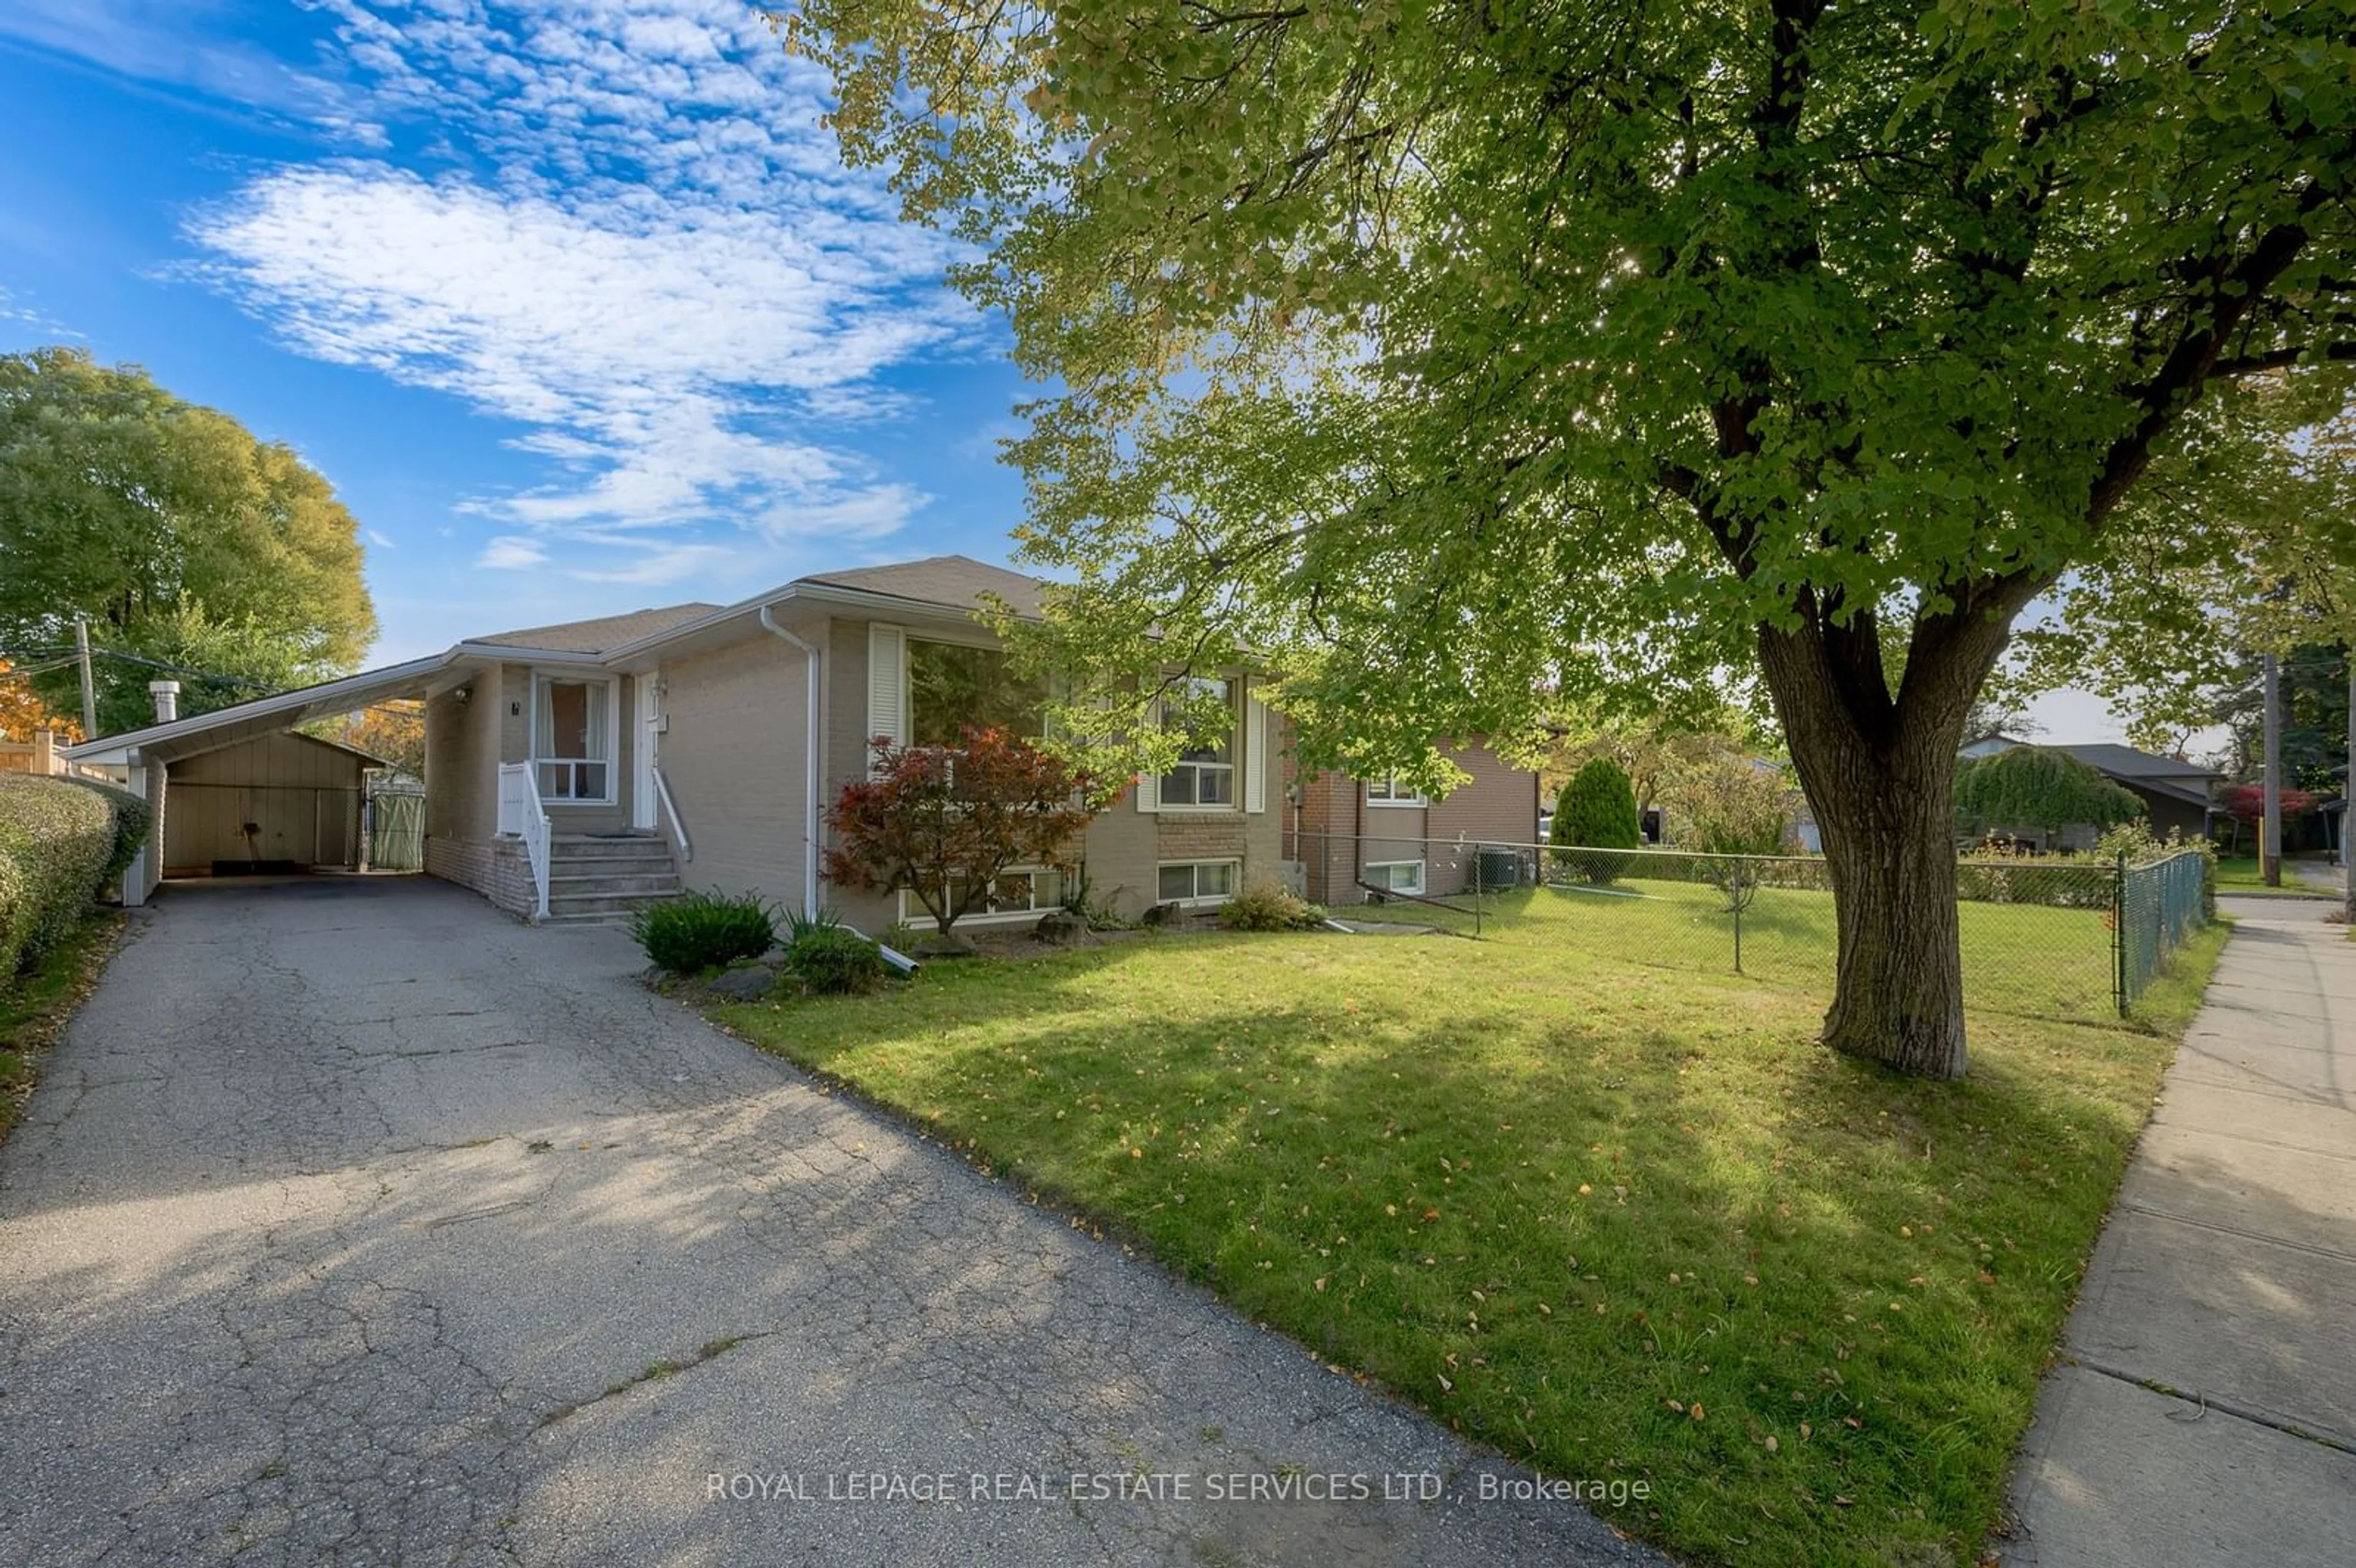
(283, 802)
(240, 788)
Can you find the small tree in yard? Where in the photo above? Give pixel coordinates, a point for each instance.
(1597, 810)
(945, 822)
(1729, 809)
(2246, 804)
(2035, 786)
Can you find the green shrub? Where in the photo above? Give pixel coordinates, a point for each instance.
(132, 819)
(57, 839)
(1597, 810)
(1264, 906)
(702, 931)
(830, 959)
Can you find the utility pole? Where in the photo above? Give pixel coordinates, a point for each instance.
(2270, 834)
(89, 692)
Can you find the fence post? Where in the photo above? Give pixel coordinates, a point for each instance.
(1742, 870)
(1476, 890)
(2119, 933)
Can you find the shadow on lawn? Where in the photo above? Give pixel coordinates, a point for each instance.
(1570, 1214)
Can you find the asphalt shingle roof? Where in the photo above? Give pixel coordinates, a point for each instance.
(595, 636)
(2126, 762)
(957, 581)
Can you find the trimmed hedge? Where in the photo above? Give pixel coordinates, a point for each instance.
(61, 840)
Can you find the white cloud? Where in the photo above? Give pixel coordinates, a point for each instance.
(377, 538)
(510, 553)
(643, 253)
(182, 46)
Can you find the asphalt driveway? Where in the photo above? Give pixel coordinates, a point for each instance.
(355, 1223)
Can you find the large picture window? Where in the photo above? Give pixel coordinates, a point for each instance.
(952, 686)
(1205, 774)
(573, 740)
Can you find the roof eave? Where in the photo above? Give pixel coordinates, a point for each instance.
(822, 593)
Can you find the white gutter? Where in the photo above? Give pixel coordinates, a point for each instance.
(810, 784)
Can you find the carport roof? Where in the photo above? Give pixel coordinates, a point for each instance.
(263, 715)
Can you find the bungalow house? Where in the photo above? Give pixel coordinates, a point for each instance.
(573, 771)
(2176, 796)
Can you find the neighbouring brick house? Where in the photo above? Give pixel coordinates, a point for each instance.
(1352, 839)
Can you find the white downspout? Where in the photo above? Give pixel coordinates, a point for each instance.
(810, 793)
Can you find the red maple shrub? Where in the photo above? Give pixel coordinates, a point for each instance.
(946, 821)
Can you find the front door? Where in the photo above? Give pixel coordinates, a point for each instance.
(647, 690)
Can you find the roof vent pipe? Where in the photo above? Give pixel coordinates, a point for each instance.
(168, 699)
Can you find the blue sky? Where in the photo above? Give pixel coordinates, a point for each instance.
(573, 304)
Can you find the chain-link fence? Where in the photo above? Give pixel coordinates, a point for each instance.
(2161, 903)
(2047, 935)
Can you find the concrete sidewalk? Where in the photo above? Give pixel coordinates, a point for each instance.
(2205, 1409)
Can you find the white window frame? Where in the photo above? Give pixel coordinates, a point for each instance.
(1235, 881)
(1235, 773)
(912, 910)
(1385, 791)
(1367, 873)
(612, 765)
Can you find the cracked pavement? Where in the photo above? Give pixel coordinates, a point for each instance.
(354, 1222)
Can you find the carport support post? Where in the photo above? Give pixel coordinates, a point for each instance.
(134, 875)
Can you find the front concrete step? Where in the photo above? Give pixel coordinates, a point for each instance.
(602, 881)
(565, 882)
(621, 905)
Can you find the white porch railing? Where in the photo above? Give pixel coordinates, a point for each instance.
(670, 810)
(522, 816)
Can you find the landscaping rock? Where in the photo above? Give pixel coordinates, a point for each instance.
(1060, 927)
(1166, 915)
(749, 983)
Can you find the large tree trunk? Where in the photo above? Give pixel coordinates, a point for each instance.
(1889, 848)
(1879, 773)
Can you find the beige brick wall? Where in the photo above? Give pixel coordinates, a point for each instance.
(497, 869)
(733, 756)
(732, 752)
(1499, 805)
(1342, 833)
(462, 741)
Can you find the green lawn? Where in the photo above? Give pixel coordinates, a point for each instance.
(2018, 957)
(2242, 876)
(36, 1005)
(1618, 1223)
